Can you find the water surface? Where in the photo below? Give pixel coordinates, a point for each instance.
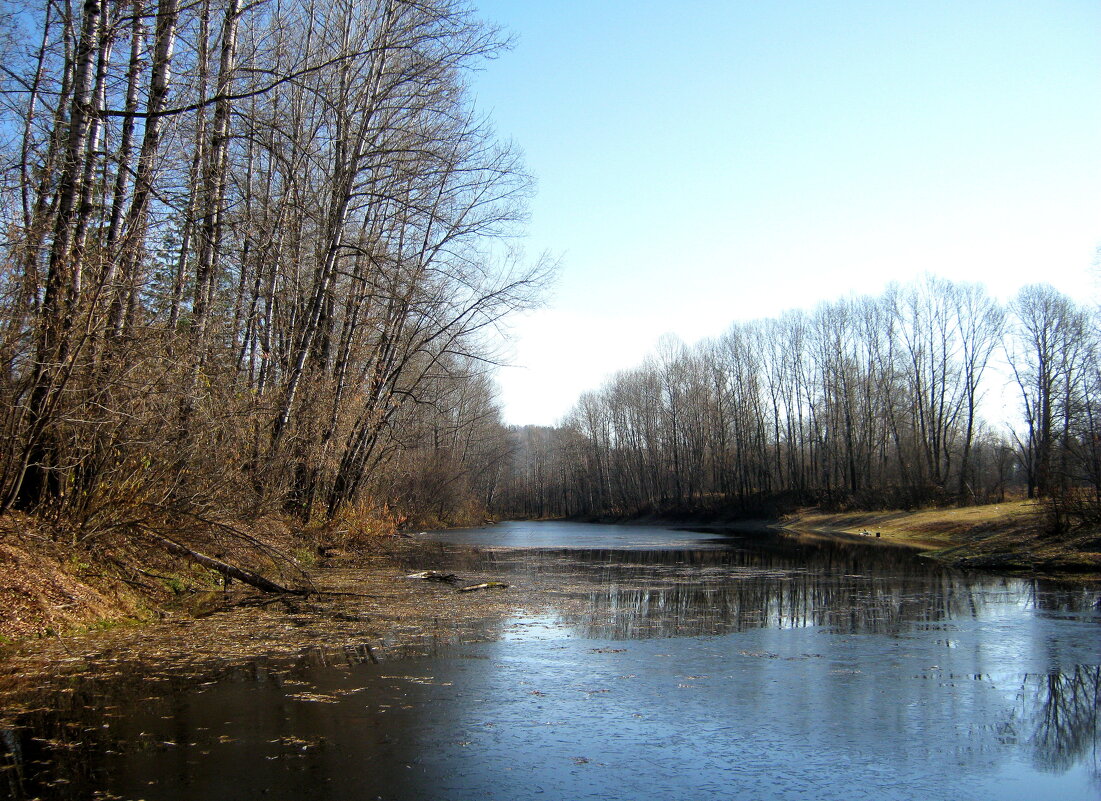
(652, 664)
(558, 534)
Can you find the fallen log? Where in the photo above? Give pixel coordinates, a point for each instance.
(226, 569)
(487, 585)
(434, 575)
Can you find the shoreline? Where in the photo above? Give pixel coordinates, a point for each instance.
(62, 591)
(365, 602)
(1010, 537)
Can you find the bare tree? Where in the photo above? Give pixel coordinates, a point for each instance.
(268, 231)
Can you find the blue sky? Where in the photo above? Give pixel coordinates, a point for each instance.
(703, 162)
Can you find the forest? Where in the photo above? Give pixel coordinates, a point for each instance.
(862, 403)
(256, 260)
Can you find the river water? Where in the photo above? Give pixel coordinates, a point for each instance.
(657, 664)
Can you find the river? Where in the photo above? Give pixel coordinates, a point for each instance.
(636, 662)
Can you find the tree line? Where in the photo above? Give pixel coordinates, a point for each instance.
(254, 257)
(251, 258)
(865, 402)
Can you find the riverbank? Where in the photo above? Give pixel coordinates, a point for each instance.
(54, 584)
(1012, 536)
(364, 603)
(57, 580)
(361, 607)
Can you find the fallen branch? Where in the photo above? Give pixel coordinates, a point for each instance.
(488, 585)
(274, 553)
(434, 575)
(232, 571)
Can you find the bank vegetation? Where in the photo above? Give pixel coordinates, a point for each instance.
(253, 260)
(864, 403)
(252, 254)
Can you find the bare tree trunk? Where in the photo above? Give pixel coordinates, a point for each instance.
(159, 82)
(36, 478)
(214, 183)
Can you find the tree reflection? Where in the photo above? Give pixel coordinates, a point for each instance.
(1063, 710)
(643, 594)
(765, 580)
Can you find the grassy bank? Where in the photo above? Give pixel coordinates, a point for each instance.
(1012, 536)
(56, 580)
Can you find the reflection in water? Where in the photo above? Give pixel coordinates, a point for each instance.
(778, 667)
(1061, 710)
(770, 581)
(336, 725)
(726, 591)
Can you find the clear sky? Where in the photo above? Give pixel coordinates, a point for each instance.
(702, 162)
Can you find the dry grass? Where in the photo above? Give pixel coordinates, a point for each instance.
(54, 583)
(48, 586)
(926, 527)
(1013, 536)
(59, 581)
